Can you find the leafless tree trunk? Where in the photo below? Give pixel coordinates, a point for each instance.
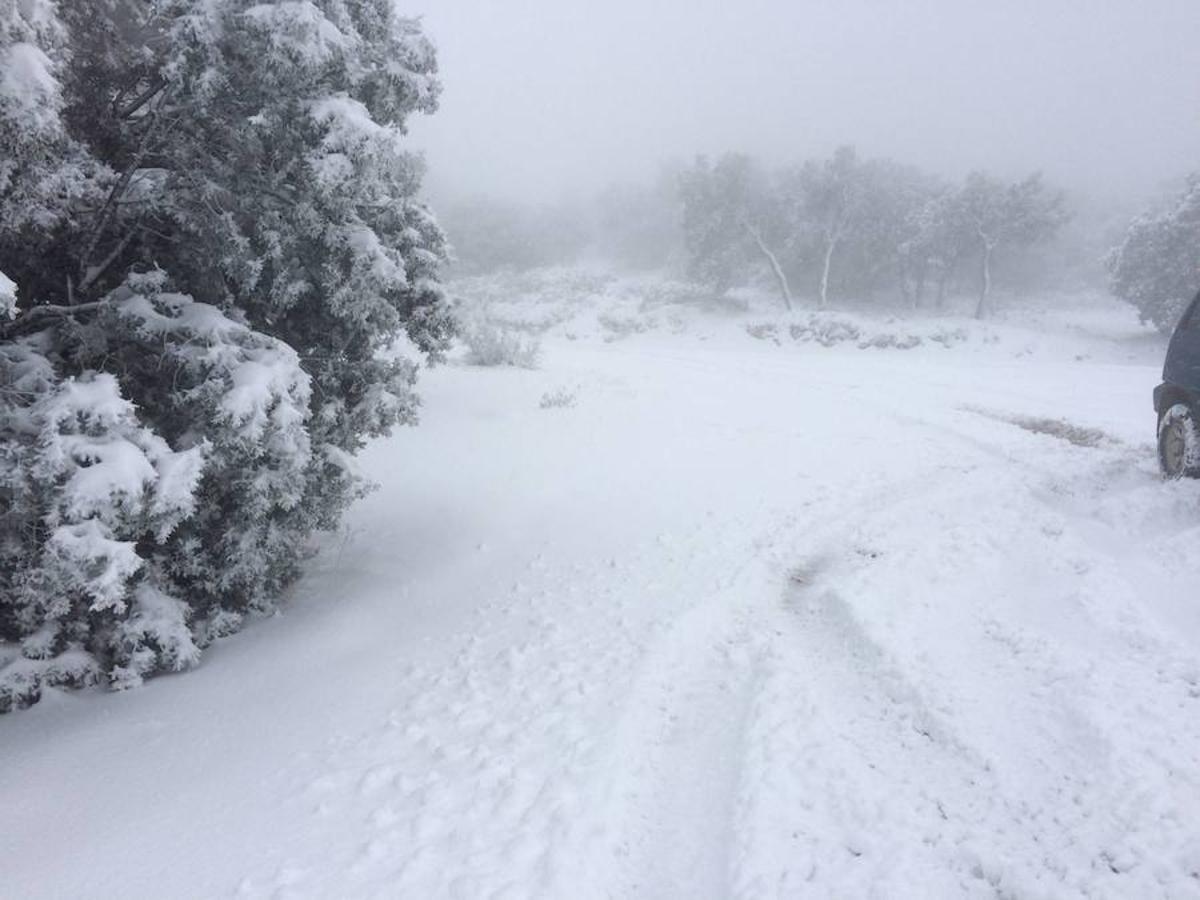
(780, 277)
(985, 279)
(831, 241)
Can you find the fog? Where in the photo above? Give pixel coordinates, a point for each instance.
(547, 98)
(758, 455)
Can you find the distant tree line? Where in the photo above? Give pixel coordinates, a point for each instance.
(852, 230)
(849, 227)
(842, 229)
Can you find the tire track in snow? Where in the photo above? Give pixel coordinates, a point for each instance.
(681, 739)
(854, 786)
(681, 743)
(986, 840)
(1070, 705)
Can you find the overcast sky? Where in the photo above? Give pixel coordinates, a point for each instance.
(550, 97)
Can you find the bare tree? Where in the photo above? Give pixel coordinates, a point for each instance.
(999, 214)
(832, 194)
(729, 216)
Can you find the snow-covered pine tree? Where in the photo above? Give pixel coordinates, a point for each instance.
(1157, 265)
(210, 232)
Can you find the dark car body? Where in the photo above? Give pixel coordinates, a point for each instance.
(1181, 370)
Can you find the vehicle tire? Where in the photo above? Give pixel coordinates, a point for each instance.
(1179, 443)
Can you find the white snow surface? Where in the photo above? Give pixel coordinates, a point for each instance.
(751, 617)
(27, 82)
(8, 297)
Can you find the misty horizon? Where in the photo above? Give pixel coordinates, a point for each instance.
(545, 101)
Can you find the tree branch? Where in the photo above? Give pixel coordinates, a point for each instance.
(776, 269)
(32, 318)
(110, 204)
(94, 272)
(141, 100)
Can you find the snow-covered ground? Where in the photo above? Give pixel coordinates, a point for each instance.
(701, 607)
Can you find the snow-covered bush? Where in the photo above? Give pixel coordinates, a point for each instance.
(763, 331)
(825, 329)
(210, 231)
(243, 397)
(1157, 266)
(559, 398)
(618, 327)
(830, 329)
(117, 546)
(91, 494)
(491, 344)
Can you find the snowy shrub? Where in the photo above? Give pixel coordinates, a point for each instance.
(832, 329)
(210, 232)
(559, 398)
(885, 340)
(90, 495)
(244, 398)
(106, 526)
(533, 301)
(826, 330)
(492, 344)
(1157, 266)
(618, 327)
(763, 331)
(655, 292)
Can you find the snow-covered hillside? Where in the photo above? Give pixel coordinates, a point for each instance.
(700, 607)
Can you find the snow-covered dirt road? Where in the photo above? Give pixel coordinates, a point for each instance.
(745, 620)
